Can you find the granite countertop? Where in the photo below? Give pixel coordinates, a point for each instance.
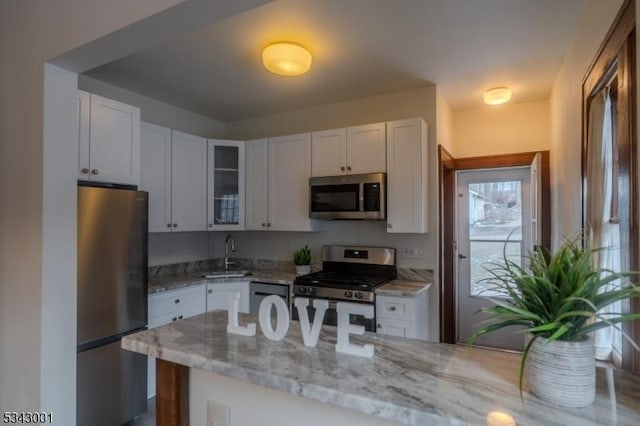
(162, 283)
(403, 288)
(407, 381)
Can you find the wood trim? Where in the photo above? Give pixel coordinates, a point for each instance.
(447, 198)
(623, 25)
(495, 161)
(172, 394)
(616, 60)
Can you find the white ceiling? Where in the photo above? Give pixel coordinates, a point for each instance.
(360, 48)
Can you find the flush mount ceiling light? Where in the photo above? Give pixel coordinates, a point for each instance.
(497, 95)
(286, 59)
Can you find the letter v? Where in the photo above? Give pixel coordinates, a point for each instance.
(310, 334)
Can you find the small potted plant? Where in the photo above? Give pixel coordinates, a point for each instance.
(302, 259)
(557, 300)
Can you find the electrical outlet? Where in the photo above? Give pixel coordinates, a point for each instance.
(217, 414)
(412, 252)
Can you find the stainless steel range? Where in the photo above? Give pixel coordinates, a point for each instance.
(349, 273)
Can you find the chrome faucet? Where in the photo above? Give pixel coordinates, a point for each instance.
(227, 262)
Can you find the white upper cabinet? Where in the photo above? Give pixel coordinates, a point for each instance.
(329, 152)
(277, 186)
(155, 174)
(188, 182)
(366, 149)
(113, 150)
(257, 184)
(225, 197)
(354, 150)
(289, 173)
(407, 176)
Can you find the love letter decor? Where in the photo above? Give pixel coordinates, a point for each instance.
(310, 330)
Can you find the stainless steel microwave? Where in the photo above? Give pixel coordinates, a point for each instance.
(348, 197)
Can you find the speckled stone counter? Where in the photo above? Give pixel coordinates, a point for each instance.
(161, 283)
(408, 381)
(403, 288)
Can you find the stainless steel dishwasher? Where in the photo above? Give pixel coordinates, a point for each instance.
(259, 290)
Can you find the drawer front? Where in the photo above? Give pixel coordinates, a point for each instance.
(162, 319)
(394, 308)
(397, 328)
(163, 303)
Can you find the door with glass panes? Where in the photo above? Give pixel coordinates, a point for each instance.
(494, 220)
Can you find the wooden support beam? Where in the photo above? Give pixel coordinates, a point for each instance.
(172, 394)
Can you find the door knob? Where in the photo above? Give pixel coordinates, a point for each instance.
(342, 168)
(84, 170)
(168, 225)
(95, 171)
(175, 225)
(349, 168)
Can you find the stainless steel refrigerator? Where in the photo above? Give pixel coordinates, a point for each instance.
(112, 302)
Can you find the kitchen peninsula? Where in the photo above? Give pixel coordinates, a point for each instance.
(407, 381)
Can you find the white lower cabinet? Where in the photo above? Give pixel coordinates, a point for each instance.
(171, 306)
(403, 316)
(217, 295)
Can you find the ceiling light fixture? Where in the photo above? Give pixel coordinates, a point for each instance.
(286, 58)
(497, 95)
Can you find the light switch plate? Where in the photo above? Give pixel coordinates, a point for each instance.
(217, 414)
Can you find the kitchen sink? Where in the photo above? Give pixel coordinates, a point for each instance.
(226, 274)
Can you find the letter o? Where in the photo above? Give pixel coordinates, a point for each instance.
(282, 317)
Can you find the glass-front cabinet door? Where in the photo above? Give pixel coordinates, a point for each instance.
(225, 193)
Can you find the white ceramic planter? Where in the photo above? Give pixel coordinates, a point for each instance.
(303, 269)
(562, 373)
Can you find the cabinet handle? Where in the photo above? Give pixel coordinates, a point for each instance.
(176, 301)
(342, 168)
(379, 325)
(211, 225)
(175, 225)
(388, 225)
(84, 170)
(168, 225)
(174, 319)
(349, 168)
(179, 316)
(264, 224)
(209, 291)
(95, 171)
(392, 308)
(268, 225)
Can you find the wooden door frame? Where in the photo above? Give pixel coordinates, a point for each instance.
(447, 166)
(617, 56)
(447, 250)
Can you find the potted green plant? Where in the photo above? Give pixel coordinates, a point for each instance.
(556, 298)
(302, 259)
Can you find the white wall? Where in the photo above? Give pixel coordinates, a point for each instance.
(444, 123)
(32, 33)
(420, 102)
(502, 129)
(177, 247)
(156, 112)
(398, 105)
(566, 119)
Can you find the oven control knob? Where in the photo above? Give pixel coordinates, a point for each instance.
(348, 293)
(302, 290)
(311, 290)
(358, 295)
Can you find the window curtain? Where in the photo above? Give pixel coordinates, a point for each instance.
(605, 229)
